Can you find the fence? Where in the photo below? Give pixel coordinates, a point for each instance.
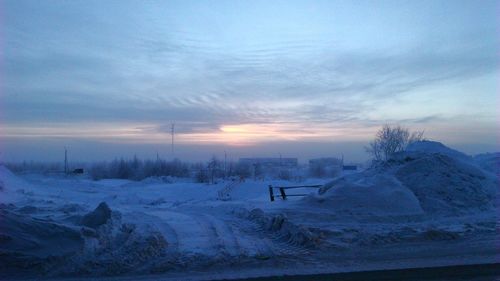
(224, 193)
(282, 189)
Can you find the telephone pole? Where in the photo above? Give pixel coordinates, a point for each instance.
(172, 132)
(65, 160)
(225, 164)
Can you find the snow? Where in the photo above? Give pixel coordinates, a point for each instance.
(387, 196)
(391, 215)
(444, 184)
(489, 162)
(98, 217)
(427, 146)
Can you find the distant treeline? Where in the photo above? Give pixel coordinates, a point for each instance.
(208, 172)
(137, 169)
(32, 166)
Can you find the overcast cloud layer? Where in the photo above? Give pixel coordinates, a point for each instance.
(245, 73)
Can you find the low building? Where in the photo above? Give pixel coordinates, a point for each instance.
(326, 162)
(271, 162)
(325, 167)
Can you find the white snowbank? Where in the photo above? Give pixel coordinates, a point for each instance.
(489, 161)
(369, 195)
(28, 244)
(427, 146)
(445, 184)
(98, 217)
(11, 186)
(430, 176)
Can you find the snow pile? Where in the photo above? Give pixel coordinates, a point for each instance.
(117, 248)
(436, 147)
(102, 245)
(113, 247)
(445, 184)
(428, 177)
(97, 217)
(11, 186)
(370, 194)
(489, 162)
(28, 244)
(279, 224)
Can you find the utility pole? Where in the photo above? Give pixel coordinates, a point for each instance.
(172, 132)
(225, 164)
(65, 160)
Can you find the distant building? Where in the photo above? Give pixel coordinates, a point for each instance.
(271, 162)
(325, 167)
(78, 171)
(326, 162)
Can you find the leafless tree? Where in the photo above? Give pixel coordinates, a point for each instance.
(390, 140)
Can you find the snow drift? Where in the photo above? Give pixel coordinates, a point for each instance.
(446, 185)
(11, 186)
(28, 244)
(429, 177)
(97, 217)
(427, 146)
(489, 162)
(369, 194)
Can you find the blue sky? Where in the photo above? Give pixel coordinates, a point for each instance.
(304, 78)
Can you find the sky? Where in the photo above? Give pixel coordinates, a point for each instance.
(302, 79)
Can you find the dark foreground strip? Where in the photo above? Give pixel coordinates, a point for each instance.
(479, 272)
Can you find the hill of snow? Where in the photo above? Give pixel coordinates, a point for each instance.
(429, 177)
(427, 146)
(368, 194)
(12, 187)
(489, 161)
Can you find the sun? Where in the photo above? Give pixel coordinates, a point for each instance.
(234, 129)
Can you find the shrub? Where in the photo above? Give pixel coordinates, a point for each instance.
(390, 140)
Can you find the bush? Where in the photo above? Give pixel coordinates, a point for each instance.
(390, 140)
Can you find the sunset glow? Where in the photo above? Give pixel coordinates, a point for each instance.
(244, 74)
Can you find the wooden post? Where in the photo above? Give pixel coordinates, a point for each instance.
(283, 195)
(271, 194)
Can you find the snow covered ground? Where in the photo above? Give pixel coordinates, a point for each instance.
(428, 206)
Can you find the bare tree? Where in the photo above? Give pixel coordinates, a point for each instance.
(390, 140)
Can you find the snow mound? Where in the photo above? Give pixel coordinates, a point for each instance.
(11, 185)
(436, 147)
(97, 217)
(279, 224)
(368, 195)
(429, 177)
(117, 248)
(445, 184)
(489, 162)
(28, 244)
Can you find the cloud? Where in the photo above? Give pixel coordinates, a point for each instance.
(146, 70)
